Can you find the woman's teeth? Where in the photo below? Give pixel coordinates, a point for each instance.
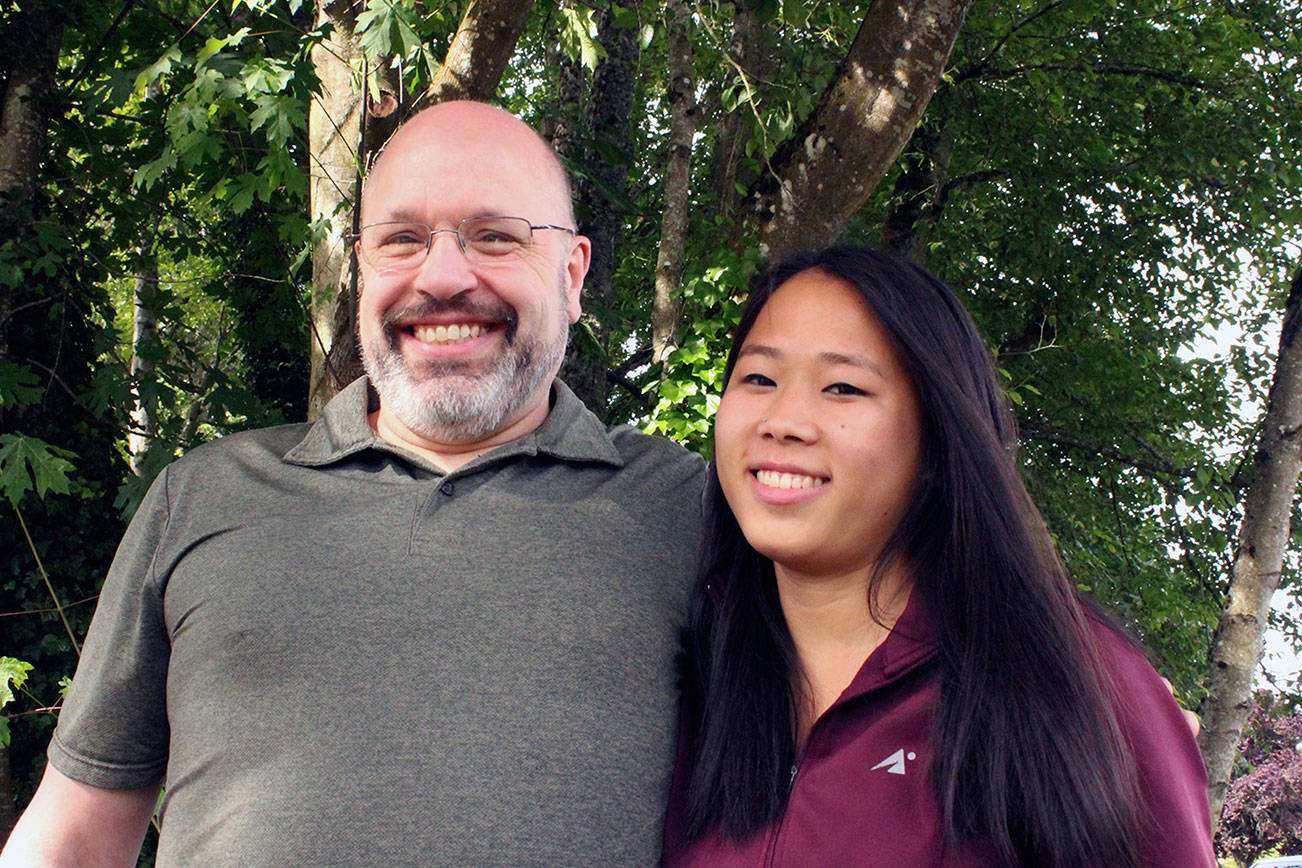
(774, 479)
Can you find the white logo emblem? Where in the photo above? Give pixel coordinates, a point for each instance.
(894, 764)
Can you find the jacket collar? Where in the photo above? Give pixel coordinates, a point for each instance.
(911, 643)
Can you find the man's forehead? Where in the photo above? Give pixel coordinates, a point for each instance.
(502, 159)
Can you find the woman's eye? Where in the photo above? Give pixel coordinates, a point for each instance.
(757, 380)
(845, 389)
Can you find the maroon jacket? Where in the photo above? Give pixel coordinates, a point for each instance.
(862, 796)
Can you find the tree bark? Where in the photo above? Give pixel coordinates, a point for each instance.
(479, 52)
(1258, 560)
(683, 114)
(333, 123)
(30, 49)
(751, 56)
(601, 195)
(918, 197)
(827, 170)
(144, 337)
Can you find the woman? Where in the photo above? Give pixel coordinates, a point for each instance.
(888, 664)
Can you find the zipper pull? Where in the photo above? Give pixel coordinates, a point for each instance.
(791, 781)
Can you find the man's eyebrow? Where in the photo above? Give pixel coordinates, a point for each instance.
(404, 214)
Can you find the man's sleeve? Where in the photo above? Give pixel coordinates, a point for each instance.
(113, 730)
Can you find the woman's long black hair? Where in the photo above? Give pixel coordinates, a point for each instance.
(1028, 752)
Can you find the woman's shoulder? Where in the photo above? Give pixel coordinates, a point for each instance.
(1168, 765)
(1141, 693)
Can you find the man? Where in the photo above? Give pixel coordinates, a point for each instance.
(436, 627)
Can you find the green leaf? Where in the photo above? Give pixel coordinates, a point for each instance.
(18, 385)
(28, 464)
(579, 36)
(158, 68)
(12, 672)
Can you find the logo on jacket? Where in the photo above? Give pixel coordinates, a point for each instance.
(894, 764)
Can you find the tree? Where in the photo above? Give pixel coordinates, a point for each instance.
(1263, 806)
(1046, 169)
(1258, 558)
(826, 171)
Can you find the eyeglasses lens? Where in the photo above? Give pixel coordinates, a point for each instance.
(397, 244)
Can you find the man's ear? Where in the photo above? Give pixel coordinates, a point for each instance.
(576, 268)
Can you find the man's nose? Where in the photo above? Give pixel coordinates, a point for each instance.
(446, 271)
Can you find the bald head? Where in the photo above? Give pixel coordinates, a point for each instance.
(482, 136)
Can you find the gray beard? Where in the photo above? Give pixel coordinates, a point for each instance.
(452, 402)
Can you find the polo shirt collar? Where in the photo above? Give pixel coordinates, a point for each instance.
(569, 433)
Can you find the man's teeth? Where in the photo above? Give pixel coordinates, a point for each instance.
(774, 479)
(449, 334)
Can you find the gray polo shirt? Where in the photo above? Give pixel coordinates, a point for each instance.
(334, 653)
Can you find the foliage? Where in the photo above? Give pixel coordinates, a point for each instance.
(204, 170)
(1263, 809)
(1100, 252)
(28, 464)
(13, 674)
(1109, 185)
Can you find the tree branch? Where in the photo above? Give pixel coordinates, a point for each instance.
(984, 62)
(1101, 68)
(1157, 467)
(93, 55)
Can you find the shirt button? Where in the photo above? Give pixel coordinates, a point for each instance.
(447, 488)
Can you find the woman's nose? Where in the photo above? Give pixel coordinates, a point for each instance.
(789, 418)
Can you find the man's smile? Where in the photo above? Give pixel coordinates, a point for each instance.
(448, 334)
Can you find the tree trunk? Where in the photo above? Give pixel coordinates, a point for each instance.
(333, 123)
(827, 170)
(752, 58)
(144, 338)
(479, 52)
(683, 113)
(30, 50)
(1258, 559)
(601, 194)
(918, 200)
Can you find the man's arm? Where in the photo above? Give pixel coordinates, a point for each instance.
(73, 824)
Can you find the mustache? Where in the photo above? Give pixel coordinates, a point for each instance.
(495, 311)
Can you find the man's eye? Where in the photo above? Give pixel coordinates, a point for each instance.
(495, 237)
(845, 389)
(400, 239)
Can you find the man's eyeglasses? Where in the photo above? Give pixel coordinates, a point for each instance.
(401, 244)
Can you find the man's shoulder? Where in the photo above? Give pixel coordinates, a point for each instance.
(254, 446)
(639, 449)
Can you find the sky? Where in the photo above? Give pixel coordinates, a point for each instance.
(1280, 660)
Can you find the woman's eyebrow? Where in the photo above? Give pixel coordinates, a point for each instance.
(852, 359)
(829, 357)
(759, 350)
